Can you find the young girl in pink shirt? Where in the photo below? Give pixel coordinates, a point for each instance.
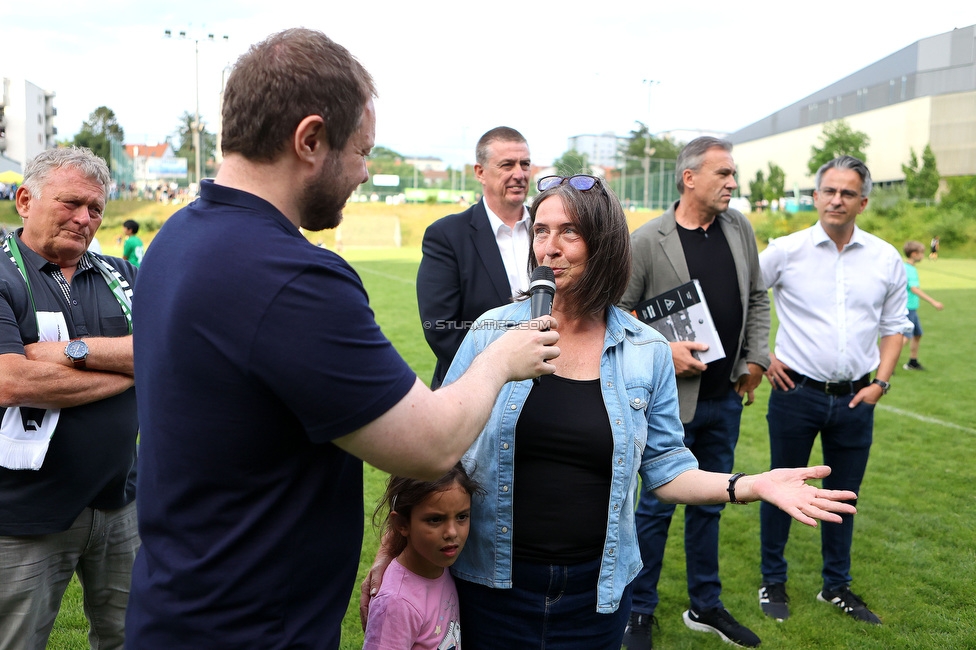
(416, 607)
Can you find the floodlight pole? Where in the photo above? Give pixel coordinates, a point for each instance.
(196, 126)
(196, 116)
(648, 150)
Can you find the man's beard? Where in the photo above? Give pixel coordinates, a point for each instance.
(322, 200)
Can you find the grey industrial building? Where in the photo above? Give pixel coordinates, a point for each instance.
(922, 94)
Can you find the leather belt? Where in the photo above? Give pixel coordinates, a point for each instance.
(831, 387)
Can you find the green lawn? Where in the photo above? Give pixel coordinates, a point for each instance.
(914, 551)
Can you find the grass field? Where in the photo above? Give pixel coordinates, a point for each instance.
(914, 551)
(915, 548)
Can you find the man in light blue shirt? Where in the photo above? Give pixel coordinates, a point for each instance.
(837, 290)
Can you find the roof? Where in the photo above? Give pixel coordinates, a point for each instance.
(149, 151)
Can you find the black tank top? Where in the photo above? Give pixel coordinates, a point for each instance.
(563, 453)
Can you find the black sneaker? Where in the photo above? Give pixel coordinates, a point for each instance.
(913, 366)
(850, 603)
(720, 622)
(637, 634)
(773, 601)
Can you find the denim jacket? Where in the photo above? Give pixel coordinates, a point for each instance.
(637, 380)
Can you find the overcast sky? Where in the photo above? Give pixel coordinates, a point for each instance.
(447, 71)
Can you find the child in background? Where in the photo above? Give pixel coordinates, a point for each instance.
(915, 252)
(416, 607)
(132, 250)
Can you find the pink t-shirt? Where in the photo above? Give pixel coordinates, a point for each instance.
(411, 612)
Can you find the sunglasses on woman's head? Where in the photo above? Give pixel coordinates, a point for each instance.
(581, 182)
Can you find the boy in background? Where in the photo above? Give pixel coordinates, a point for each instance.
(915, 252)
(132, 250)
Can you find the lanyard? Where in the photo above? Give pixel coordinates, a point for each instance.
(116, 283)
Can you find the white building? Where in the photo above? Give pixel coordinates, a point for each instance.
(27, 128)
(601, 150)
(426, 163)
(152, 164)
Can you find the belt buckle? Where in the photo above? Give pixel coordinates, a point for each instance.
(838, 387)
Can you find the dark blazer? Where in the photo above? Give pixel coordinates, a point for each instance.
(659, 265)
(461, 276)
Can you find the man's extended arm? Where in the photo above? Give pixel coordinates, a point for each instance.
(426, 432)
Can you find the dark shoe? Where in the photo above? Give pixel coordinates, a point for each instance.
(913, 366)
(850, 603)
(774, 601)
(637, 634)
(720, 622)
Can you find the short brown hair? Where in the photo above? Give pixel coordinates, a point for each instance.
(284, 79)
(912, 246)
(497, 134)
(603, 226)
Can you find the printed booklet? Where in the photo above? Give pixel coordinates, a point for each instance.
(681, 314)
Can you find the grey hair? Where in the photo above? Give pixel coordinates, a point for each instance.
(83, 159)
(693, 154)
(847, 162)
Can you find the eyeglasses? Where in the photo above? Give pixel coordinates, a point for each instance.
(581, 182)
(845, 195)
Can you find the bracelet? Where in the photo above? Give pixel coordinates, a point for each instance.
(732, 480)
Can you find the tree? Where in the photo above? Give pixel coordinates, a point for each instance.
(100, 127)
(961, 194)
(387, 161)
(208, 144)
(572, 162)
(921, 183)
(640, 142)
(838, 140)
(757, 189)
(775, 182)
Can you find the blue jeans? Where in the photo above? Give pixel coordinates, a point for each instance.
(549, 607)
(795, 418)
(100, 547)
(711, 436)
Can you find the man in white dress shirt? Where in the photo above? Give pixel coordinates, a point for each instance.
(477, 259)
(837, 290)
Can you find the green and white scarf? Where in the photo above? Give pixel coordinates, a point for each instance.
(25, 433)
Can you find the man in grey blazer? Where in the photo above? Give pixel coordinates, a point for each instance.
(477, 259)
(700, 238)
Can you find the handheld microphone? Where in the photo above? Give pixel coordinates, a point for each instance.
(542, 288)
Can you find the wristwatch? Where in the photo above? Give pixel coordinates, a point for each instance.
(885, 386)
(77, 351)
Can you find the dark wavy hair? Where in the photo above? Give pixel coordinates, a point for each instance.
(402, 494)
(601, 222)
(282, 80)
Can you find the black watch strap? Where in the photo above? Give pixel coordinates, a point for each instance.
(732, 481)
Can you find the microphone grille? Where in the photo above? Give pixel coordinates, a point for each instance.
(543, 273)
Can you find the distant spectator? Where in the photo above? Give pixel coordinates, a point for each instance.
(934, 248)
(132, 250)
(915, 252)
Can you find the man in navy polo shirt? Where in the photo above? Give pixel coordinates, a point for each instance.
(265, 381)
(68, 408)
